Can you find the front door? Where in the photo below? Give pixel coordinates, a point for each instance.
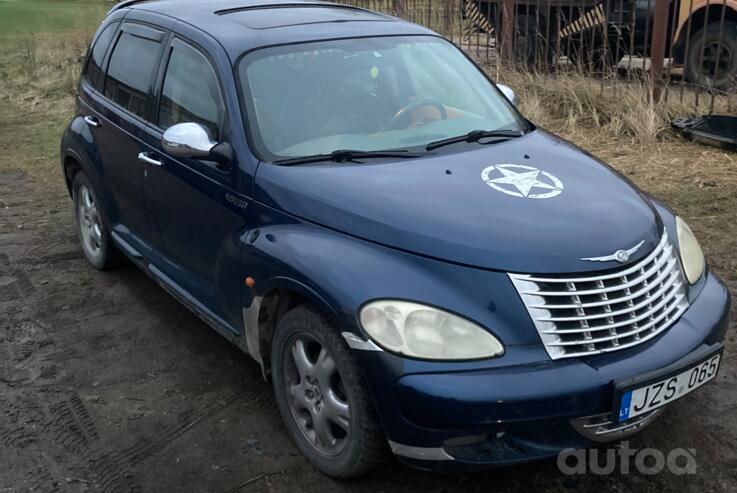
(197, 210)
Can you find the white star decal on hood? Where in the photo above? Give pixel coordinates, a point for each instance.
(522, 181)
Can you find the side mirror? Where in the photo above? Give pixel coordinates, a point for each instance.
(509, 93)
(193, 141)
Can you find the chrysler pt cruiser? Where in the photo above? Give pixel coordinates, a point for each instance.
(415, 266)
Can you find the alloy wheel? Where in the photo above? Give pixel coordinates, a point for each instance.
(89, 222)
(316, 395)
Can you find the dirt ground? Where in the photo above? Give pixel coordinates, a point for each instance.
(108, 384)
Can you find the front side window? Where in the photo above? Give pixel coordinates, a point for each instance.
(130, 72)
(94, 73)
(368, 94)
(191, 92)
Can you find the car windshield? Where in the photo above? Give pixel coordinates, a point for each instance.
(367, 94)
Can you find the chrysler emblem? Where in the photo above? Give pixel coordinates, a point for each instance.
(621, 256)
(522, 181)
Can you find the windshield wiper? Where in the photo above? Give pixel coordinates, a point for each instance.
(343, 156)
(475, 136)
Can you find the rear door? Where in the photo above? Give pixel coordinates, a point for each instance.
(196, 206)
(120, 115)
(89, 107)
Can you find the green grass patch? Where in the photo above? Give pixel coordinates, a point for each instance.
(38, 16)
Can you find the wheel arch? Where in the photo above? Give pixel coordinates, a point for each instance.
(281, 295)
(708, 12)
(71, 164)
(79, 153)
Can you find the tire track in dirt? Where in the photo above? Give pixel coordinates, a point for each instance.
(72, 426)
(39, 474)
(30, 355)
(21, 422)
(65, 421)
(25, 286)
(66, 433)
(256, 390)
(53, 258)
(9, 291)
(112, 468)
(63, 427)
(43, 428)
(20, 283)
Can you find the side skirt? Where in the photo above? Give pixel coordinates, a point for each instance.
(214, 321)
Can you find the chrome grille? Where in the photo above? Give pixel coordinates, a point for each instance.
(612, 310)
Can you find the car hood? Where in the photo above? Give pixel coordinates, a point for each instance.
(487, 207)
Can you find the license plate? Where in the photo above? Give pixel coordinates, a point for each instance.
(654, 394)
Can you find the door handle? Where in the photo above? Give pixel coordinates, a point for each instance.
(148, 159)
(92, 121)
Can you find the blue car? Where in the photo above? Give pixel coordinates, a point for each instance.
(415, 266)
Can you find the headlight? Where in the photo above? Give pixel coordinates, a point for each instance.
(424, 332)
(692, 257)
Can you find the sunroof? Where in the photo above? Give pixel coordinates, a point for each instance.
(269, 17)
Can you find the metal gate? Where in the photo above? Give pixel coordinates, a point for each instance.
(674, 48)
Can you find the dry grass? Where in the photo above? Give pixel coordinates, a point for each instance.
(571, 101)
(43, 68)
(38, 79)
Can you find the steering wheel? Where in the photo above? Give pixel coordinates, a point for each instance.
(408, 109)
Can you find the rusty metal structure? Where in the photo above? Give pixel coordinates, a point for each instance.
(671, 45)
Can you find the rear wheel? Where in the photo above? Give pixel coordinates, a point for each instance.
(93, 232)
(711, 60)
(322, 397)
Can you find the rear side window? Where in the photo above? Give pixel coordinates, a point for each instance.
(130, 71)
(94, 72)
(191, 92)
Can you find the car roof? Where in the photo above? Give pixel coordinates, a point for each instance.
(244, 25)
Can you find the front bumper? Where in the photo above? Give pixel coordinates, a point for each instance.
(523, 406)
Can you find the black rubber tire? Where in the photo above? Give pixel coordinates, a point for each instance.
(366, 447)
(110, 257)
(696, 73)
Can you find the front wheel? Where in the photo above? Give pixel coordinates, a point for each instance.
(322, 397)
(711, 60)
